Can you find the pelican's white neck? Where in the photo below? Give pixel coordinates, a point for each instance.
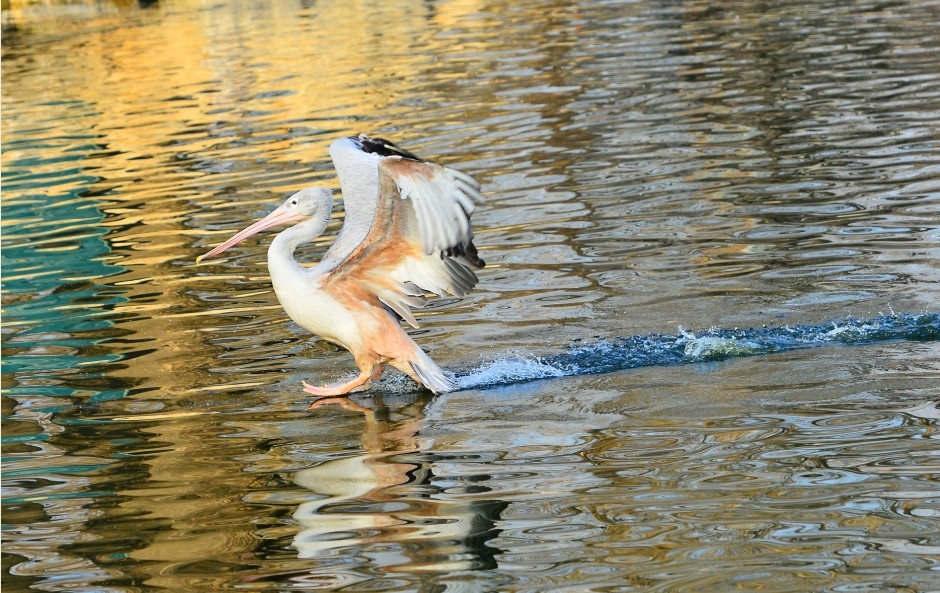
(281, 251)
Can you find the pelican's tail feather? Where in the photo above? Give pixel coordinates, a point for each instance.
(429, 374)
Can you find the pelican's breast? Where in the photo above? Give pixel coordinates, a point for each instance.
(314, 309)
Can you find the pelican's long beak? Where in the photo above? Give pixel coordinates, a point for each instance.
(280, 216)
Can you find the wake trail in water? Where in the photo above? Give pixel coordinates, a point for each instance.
(620, 354)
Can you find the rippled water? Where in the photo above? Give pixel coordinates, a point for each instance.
(704, 355)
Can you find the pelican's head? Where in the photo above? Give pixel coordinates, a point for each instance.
(309, 203)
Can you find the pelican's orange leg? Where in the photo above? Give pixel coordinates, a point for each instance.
(367, 375)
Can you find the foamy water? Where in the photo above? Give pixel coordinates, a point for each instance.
(687, 347)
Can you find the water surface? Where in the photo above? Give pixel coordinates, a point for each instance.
(703, 355)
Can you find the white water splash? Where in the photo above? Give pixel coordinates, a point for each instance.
(510, 370)
(709, 347)
(847, 332)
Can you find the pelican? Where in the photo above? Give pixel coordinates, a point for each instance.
(406, 236)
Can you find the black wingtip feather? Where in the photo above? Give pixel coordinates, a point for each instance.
(469, 252)
(383, 147)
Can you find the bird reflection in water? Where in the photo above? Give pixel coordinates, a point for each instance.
(387, 508)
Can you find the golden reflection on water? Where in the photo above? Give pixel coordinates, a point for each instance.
(175, 125)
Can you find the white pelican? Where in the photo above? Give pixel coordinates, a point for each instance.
(406, 234)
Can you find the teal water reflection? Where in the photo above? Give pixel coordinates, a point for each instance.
(57, 299)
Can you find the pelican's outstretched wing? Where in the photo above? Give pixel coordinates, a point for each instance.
(443, 200)
(420, 239)
(356, 160)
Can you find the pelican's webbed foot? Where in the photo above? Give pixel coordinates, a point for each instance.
(335, 390)
(366, 377)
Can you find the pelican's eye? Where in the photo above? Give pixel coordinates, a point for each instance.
(293, 202)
